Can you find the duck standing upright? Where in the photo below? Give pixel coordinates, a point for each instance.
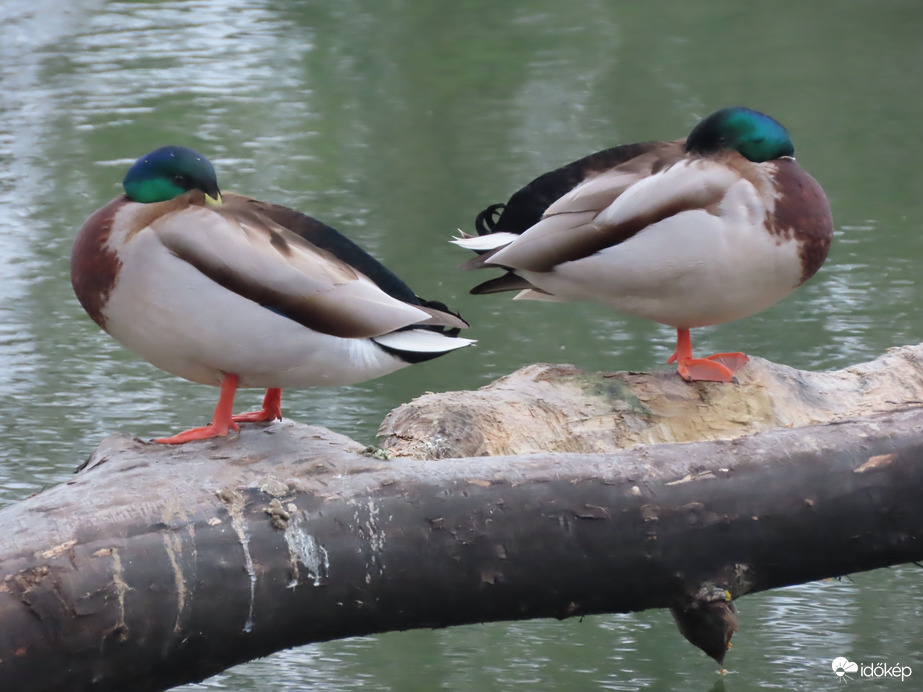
(688, 233)
(229, 291)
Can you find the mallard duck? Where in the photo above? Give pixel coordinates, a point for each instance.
(694, 232)
(228, 291)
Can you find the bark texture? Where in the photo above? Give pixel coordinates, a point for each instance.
(158, 565)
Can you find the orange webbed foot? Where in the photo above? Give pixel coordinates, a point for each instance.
(254, 417)
(206, 432)
(717, 368)
(272, 409)
(221, 423)
(223, 420)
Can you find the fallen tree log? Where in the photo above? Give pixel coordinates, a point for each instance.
(157, 566)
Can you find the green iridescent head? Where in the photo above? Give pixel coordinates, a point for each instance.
(168, 172)
(753, 134)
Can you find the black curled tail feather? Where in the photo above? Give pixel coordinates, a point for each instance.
(486, 221)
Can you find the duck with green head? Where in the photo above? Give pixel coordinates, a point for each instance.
(229, 291)
(689, 233)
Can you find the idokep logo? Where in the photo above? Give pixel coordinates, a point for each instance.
(842, 667)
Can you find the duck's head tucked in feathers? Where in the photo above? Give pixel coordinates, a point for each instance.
(754, 135)
(168, 172)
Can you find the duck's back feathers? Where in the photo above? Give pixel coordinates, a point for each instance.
(527, 206)
(323, 236)
(562, 209)
(340, 249)
(280, 271)
(586, 221)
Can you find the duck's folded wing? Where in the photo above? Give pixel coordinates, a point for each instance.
(611, 208)
(328, 240)
(322, 236)
(553, 240)
(279, 270)
(596, 193)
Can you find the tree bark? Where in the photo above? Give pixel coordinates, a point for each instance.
(158, 565)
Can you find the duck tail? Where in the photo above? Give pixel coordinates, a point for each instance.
(486, 221)
(427, 339)
(441, 319)
(419, 344)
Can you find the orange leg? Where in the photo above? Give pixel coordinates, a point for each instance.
(221, 422)
(717, 368)
(272, 409)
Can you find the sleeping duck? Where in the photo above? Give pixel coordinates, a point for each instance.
(229, 291)
(689, 233)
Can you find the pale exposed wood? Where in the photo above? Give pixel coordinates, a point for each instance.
(564, 409)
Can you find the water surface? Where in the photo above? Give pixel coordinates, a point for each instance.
(397, 122)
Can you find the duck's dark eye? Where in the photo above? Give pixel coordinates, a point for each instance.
(182, 181)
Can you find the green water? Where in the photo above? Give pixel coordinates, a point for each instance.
(397, 122)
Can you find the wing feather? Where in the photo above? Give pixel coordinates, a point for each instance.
(611, 208)
(245, 252)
